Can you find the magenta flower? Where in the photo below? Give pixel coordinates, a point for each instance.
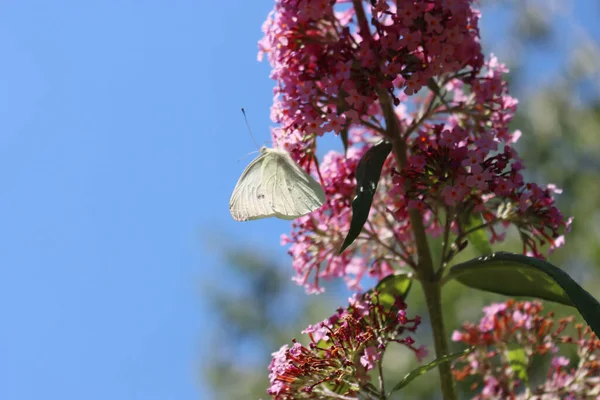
(411, 73)
(521, 325)
(322, 62)
(370, 357)
(327, 74)
(337, 363)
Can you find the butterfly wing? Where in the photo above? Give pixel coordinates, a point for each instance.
(248, 200)
(294, 193)
(273, 185)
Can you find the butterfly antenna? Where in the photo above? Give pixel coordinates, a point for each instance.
(252, 152)
(248, 126)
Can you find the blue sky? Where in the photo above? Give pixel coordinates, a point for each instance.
(120, 141)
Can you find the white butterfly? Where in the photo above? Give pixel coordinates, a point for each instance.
(273, 185)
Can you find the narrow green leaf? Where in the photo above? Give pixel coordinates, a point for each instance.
(344, 136)
(412, 64)
(519, 275)
(393, 286)
(342, 107)
(518, 362)
(425, 368)
(478, 238)
(433, 86)
(367, 177)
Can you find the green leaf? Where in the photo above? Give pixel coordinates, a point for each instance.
(519, 275)
(477, 238)
(425, 368)
(367, 177)
(433, 86)
(393, 286)
(412, 64)
(518, 362)
(342, 107)
(344, 136)
(502, 273)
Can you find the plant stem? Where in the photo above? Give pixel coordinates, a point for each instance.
(433, 298)
(425, 269)
(381, 384)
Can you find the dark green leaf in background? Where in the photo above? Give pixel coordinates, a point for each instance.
(518, 362)
(393, 286)
(478, 238)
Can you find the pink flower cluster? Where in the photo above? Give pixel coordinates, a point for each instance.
(520, 326)
(342, 350)
(329, 71)
(449, 171)
(317, 237)
(333, 63)
(452, 169)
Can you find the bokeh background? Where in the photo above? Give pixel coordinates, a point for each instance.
(123, 275)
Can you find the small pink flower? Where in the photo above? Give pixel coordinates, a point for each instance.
(561, 361)
(479, 178)
(492, 387)
(418, 161)
(421, 353)
(457, 336)
(451, 195)
(494, 308)
(335, 124)
(522, 319)
(370, 357)
(474, 157)
(433, 24)
(318, 332)
(354, 99)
